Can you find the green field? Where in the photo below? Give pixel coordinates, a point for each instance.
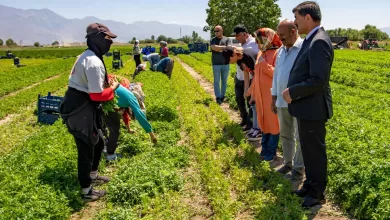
(202, 164)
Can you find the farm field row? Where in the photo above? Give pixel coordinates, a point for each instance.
(49, 53)
(18, 78)
(357, 135)
(8, 64)
(206, 71)
(20, 109)
(150, 176)
(16, 103)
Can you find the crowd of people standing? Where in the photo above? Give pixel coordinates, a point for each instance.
(282, 92)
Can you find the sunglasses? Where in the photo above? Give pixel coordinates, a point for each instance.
(216, 31)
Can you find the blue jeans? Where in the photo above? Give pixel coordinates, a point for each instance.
(220, 71)
(162, 64)
(269, 145)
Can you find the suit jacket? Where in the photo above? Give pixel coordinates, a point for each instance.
(309, 79)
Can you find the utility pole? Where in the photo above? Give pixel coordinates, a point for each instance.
(180, 32)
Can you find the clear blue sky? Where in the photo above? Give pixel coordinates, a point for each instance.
(336, 13)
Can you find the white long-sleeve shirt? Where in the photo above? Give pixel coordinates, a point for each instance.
(251, 46)
(284, 62)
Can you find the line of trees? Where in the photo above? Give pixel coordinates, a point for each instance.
(186, 39)
(369, 31)
(8, 43)
(265, 13)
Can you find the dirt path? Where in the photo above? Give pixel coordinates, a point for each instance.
(327, 211)
(28, 87)
(208, 87)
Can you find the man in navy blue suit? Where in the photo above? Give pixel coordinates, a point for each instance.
(309, 97)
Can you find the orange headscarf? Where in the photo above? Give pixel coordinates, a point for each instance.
(267, 36)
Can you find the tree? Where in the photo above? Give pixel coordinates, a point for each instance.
(152, 37)
(172, 41)
(352, 34)
(1, 42)
(195, 36)
(36, 44)
(253, 14)
(149, 41)
(55, 43)
(132, 41)
(162, 38)
(186, 39)
(369, 31)
(10, 43)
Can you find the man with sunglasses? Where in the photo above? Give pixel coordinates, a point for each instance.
(220, 67)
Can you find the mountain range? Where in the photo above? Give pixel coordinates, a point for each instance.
(45, 26)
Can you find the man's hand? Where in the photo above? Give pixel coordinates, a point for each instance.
(286, 96)
(273, 106)
(246, 94)
(251, 101)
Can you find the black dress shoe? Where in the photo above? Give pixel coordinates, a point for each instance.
(310, 202)
(301, 192)
(284, 169)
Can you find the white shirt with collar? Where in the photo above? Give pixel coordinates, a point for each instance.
(284, 62)
(312, 32)
(251, 46)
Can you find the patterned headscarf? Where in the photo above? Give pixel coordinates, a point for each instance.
(267, 36)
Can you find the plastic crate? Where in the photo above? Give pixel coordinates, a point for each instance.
(48, 118)
(48, 108)
(49, 103)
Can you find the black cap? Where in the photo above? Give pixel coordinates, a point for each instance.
(238, 29)
(227, 52)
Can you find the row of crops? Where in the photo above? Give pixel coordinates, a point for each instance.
(49, 53)
(200, 150)
(358, 138)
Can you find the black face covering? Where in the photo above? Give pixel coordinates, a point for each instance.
(99, 44)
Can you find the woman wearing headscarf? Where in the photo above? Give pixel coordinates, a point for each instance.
(163, 50)
(260, 91)
(81, 109)
(126, 100)
(137, 53)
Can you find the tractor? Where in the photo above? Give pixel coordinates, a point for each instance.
(370, 44)
(8, 55)
(339, 42)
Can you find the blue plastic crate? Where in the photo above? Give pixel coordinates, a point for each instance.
(48, 118)
(48, 108)
(49, 103)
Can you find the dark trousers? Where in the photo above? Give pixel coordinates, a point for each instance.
(88, 159)
(137, 59)
(312, 138)
(242, 104)
(112, 121)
